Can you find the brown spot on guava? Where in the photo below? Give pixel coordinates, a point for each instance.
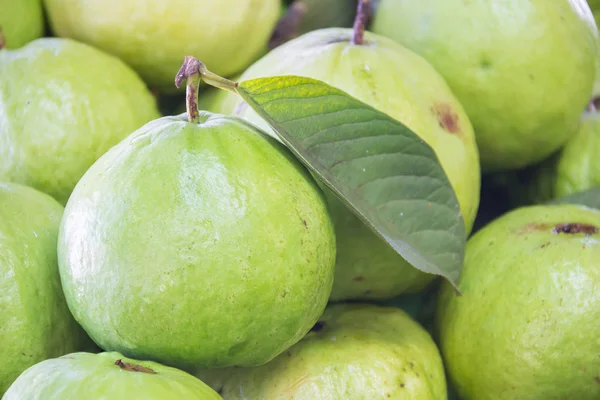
(574, 228)
(447, 117)
(532, 227)
(134, 367)
(304, 223)
(597, 379)
(318, 326)
(358, 278)
(545, 244)
(402, 385)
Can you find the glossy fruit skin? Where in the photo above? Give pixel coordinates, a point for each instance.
(97, 376)
(153, 36)
(62, 105)
(526, 325)
(400, 83)
(356, 351)
(35, 323)
(21, 21)
(197, 245)
(522, 109)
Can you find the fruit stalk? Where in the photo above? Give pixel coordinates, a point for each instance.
(289, 24)
(361, 20)
(193, 70)
(2, 39)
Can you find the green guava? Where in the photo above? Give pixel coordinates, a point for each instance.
(204, 244)
(153, 36)
(21, 21)
(400, 83)
(62, 105)
(524, 104)
(526, 325)
(355, 351)
(106, 375)
(35, 323)
(572, 169)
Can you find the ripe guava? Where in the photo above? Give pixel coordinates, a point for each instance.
(526, 325)
(402, 84)
(21, 21)
(107, 375)
(523, 69)
(63, 105)
(35, 323)
(153, 36)
(203, 244)
(574, 168)
(354, 351)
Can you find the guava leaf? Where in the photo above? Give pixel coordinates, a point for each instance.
(588, 198)
(383, 172)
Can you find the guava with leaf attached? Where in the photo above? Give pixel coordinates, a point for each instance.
(403, 85)
(526, 323)
(355, 351)
(523, 69)
(107, 375)
(21, 21)
(35, 323)
(153, 36)
(201, 243)
(62, 105)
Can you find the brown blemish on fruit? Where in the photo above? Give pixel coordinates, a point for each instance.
(572, 229)
(447, 117)
(545, 244)
(534, 226)
(358, 278)
(597, 379)
(318, 326)
(134, 367)
(304, 223)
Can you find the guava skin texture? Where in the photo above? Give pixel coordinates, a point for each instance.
(153, 36)
(21, 21)
(107, 375)
(526, 325)
(522, 69)
(62, 105)
(203, 245)
(386, 76)
(355, 351)
(35, 323)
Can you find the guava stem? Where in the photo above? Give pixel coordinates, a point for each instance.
(193, 70)
(288, 26)
(360, 21)
(2, 39)
(594, 104)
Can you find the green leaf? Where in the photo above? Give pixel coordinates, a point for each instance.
(588, 198)
(384, 173)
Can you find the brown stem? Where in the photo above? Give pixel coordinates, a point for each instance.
(190, 71)
(594, 104)
(360, 22)
(2, 39)
(289, 25)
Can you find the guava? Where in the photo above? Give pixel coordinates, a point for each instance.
(201, 243)
(62, 105)
(21, 21)
(572, 169)
(526, 325)
(35, 323)
(107, 375)
(153, 36)
(355, 351)
(524, 104)
(402, 84)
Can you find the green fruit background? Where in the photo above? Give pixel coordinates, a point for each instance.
(161, 238)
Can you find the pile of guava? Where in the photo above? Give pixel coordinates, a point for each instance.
(299, 199)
